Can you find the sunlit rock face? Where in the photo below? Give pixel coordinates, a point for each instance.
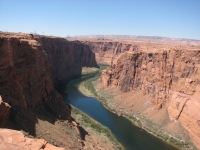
(170, 77)
(108, 52)
(25, 74)
(30, 68)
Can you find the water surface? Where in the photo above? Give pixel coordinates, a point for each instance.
(129, 135)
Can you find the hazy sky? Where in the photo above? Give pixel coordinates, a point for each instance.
(168, 18)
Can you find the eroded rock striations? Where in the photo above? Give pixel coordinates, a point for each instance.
(25, 75)
(168, 79)
(159, 82)
(66, 58)
(108, 52)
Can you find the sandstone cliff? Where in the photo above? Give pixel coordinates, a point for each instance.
(29, 68)
(167, 80)
(25, 75)
(66, 58)
(108, 52)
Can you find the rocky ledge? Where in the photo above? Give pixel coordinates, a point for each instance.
(12, 139)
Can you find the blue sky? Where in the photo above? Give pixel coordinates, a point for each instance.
(167, 18)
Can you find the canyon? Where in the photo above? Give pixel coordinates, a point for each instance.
(157, 83)
(31, 69)
(66, 58)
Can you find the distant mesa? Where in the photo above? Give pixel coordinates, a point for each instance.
(133, 38)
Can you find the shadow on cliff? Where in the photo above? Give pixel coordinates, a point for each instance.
(49, 111)
(22, 119)
(26, 120)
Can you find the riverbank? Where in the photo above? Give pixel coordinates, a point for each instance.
(172, 132)
(97, 136)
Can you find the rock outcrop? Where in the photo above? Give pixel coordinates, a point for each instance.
(12, 140)
(169, 78)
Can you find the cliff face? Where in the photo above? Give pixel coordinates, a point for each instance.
(4, 112)
(25, 75)
(169, 78)
(109, 52)
(30, 66)
(66, 58)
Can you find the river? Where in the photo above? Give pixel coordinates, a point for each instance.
(129, 135)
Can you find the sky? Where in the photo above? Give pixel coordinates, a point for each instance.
(165, 18)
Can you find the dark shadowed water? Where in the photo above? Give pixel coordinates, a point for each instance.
(129, 135)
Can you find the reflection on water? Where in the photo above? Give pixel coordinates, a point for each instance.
(129, 135)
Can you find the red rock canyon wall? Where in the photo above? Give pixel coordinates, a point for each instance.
(170, 77)
(30, 66)
(66, 58)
